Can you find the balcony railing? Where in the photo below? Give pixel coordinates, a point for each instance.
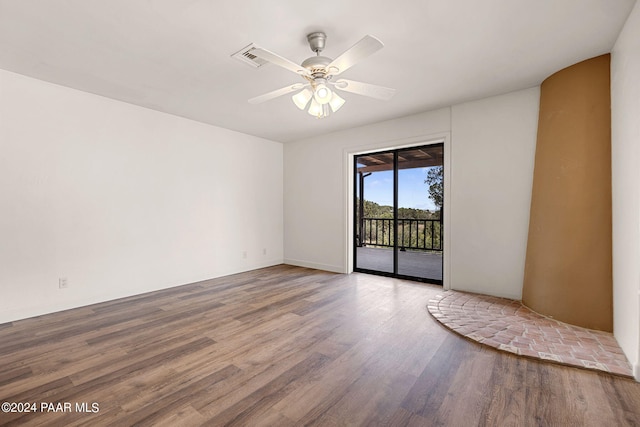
(415, 234)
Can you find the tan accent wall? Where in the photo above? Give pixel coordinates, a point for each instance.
(568, 273)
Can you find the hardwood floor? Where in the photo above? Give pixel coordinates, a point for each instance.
(288, 346)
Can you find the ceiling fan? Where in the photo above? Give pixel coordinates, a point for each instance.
(319, 72)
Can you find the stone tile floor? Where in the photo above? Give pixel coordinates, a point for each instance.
(510, 326)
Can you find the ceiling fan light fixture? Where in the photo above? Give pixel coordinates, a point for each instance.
(318, 95)
(336, 102)
(301, 99)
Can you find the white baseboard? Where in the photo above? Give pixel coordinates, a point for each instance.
(315, 265)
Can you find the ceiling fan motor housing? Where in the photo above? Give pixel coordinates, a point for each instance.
(317, 65)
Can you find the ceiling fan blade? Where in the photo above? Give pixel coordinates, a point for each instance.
(354, 54)
(276, 93)
(280, 61)
(366, 89)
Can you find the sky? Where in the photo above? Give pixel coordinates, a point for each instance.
(412, 191)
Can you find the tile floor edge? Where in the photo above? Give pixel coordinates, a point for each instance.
(480, 336)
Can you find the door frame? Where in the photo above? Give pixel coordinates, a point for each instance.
(349, 214)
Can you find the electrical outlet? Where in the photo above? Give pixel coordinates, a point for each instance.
(264, 251)
(244, 254)
(63, 283)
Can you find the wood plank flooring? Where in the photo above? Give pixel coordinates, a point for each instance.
(288, 346)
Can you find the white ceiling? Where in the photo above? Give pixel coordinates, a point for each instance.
(174, 55)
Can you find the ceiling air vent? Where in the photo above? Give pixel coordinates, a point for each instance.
(245, 56)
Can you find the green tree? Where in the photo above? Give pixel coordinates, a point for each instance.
(374, 210)
(435, 180)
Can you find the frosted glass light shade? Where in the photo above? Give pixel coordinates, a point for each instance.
(301, 99)
(315, 109)
(336, 102)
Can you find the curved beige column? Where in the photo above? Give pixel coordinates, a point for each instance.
(568, 273)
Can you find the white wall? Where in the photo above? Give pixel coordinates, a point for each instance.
(492, 143)
(625, 153)
(121, 200)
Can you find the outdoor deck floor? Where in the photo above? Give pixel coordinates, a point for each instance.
(426, 265)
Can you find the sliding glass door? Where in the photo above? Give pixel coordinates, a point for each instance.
(398, 212)
(374, 199)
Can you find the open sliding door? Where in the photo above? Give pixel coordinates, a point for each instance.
(398, 212)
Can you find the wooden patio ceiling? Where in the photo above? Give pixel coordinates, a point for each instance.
(421, 157)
